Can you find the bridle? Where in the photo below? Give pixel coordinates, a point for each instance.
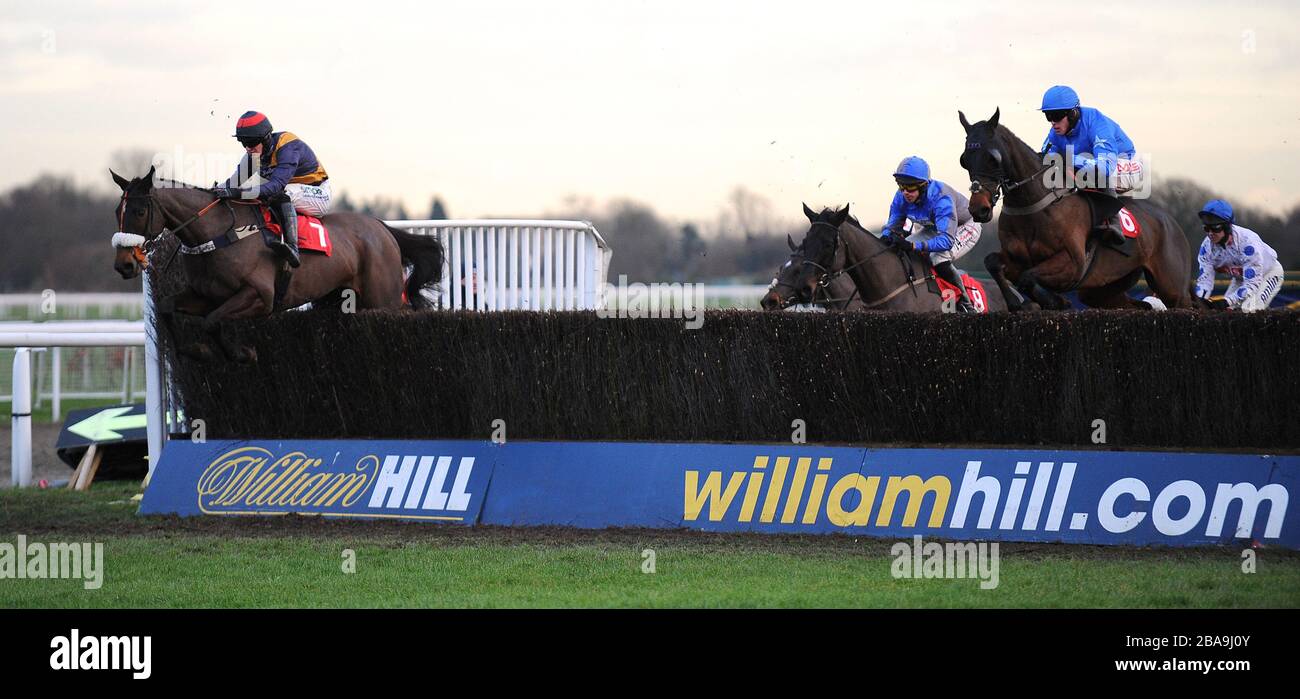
(826, 299)
(827, 276)
(141, 245)
(1004, 185)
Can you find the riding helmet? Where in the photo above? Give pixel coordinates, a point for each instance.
(1216, 211)
(1059, 97)
(912, 169)
(252, 125)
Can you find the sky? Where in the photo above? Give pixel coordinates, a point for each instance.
(506, 108)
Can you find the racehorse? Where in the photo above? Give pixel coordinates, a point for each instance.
(228, 278)
(839, 294)
(887, 277)
(1044, 231)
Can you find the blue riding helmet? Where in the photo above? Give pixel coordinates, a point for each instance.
(1218, 209)
(1059, 97)
(913, 168)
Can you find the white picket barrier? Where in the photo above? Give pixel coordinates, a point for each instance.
(25, 336)
(510, 264)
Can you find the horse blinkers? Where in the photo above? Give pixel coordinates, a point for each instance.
(983, 197)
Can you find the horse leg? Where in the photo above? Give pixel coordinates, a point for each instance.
(332, 302)
(1168, 262)
(379, 280)
(1167, 288)
(191, 304)
(1114, 294)
(1030, 286)
(995, 263)
(248, 302)
(1062, 270)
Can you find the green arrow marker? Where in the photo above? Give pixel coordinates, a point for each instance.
(101, 426)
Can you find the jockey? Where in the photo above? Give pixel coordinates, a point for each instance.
(1239, 252)
(291, 178)
(941, 222)
(1102, 154)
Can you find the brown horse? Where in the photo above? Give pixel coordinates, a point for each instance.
(839, 294)
(1044, 232)
(228, 277)
(888, 278)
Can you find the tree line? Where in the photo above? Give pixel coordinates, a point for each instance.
(56, 234)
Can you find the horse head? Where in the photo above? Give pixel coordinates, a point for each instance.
(139, 221)
(983, 160)
(781, 292)
(823, 252)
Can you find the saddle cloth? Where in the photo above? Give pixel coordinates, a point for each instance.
(974, 290)
(312, 234)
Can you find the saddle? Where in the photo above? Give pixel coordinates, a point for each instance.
(974, 288)
(312, 233)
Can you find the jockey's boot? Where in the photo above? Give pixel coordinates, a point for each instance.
(288, 248)
(1110, 231)
(949, 274)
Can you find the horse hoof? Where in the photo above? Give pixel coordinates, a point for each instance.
(1155, 303)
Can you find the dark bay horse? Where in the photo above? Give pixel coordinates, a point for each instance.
(888, 278)
(1044, 232)
(238, 279)
(839, 294)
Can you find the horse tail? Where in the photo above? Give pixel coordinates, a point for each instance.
(425, 254)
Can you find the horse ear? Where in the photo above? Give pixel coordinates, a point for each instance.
(790, 240)
(148, 176)
(809, 213)
(120, 180)
(993, 123)
(964, 124)
(838, 218)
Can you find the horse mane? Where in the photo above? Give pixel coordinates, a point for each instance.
(177, 184)
(858, 225)
(1012, 139)
(827, 212)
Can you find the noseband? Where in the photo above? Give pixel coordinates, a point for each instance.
(1004, 185)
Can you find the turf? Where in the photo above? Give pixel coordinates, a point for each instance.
(299, 562)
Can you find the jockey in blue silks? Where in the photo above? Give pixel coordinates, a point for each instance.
(942, 226)
(1103, 155)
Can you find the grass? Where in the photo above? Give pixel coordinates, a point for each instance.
(298, 562)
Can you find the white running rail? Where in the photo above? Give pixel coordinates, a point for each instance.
(518, 264)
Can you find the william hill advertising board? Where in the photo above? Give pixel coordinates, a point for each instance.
(1094, 497)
